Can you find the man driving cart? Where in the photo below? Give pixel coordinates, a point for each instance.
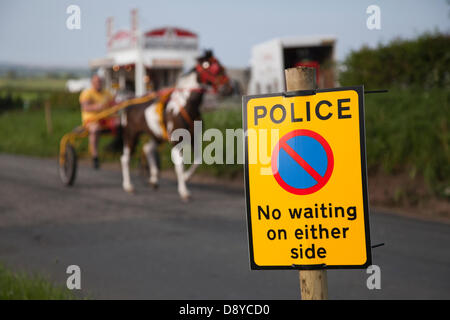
(93, 101)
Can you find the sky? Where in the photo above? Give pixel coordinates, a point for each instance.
(34, 32)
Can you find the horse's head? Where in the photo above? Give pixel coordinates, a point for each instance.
(212, 73)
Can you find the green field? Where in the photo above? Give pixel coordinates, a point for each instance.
(25, 132)
(22, 286)
(33, 83)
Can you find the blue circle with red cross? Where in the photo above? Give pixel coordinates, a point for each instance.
(302, 162)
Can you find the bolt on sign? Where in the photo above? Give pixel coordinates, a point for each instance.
(305, 178)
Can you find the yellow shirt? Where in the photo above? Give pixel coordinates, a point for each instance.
(93, 96)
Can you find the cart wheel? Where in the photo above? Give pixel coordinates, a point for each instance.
(68, 169)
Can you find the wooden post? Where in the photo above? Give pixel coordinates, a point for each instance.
(48, 117)
(313, 283)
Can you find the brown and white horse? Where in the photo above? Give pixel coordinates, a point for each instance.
(173, 109)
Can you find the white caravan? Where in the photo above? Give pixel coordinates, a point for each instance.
(270, 58)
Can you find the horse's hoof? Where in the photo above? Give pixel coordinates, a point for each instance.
(129, 189)
(154, 186)
(186, 198)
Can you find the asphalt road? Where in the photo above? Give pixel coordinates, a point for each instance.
(150, 245)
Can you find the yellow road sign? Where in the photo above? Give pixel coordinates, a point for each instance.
(306, 185)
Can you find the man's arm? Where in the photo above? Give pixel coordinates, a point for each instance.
(91, 106)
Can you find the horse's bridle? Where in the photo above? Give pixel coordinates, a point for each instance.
(212, 73)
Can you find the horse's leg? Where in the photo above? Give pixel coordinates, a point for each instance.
(177, 159)
(189, 172)
(150, 150)
(129, 143)
(125, 162)
(197, 161)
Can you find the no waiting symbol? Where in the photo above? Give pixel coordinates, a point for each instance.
(302, 162)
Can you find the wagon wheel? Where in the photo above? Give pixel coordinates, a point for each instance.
(68, 166)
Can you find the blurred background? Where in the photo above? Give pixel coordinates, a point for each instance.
(50, 48)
